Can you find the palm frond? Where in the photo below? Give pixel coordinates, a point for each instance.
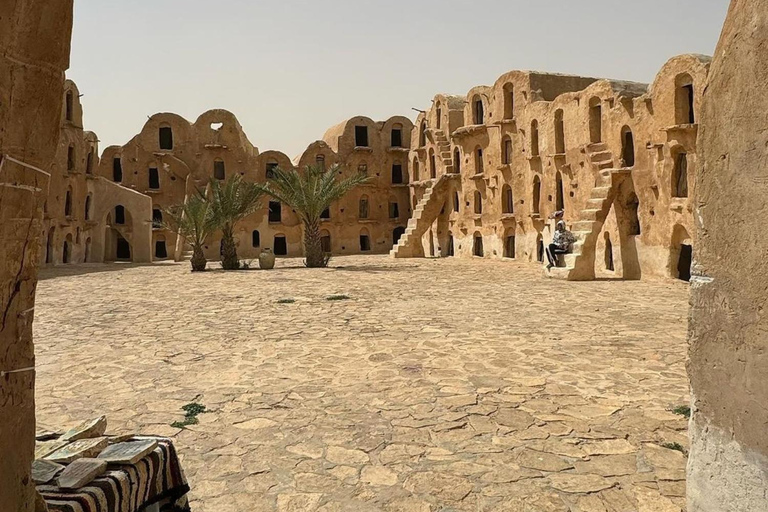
(312, 190)
(194, 220)
(234, 199)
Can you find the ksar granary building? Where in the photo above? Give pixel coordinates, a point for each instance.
(479, 175)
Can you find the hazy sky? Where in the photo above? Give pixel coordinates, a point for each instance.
(289, 69)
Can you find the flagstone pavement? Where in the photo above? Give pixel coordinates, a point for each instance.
(438, 385)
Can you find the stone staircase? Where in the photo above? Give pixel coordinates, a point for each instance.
(444, 145)
(599, 156)
(580, 263)
(425, 213)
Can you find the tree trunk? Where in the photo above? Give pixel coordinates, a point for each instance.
(198, 260)
(313, 248)
(229, 260)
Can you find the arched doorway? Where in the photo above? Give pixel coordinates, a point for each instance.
(396, 234)
(595, 121)
(49, 256)
(560, 195)
(477, 245)
(680, 254)
(609, 265)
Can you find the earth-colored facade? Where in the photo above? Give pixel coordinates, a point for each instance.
(34, 53)
(172, 158)
(489, 169)
(728, 465)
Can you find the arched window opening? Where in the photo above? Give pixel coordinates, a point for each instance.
(457, 161)
(396, 137)
(456, 201)
(627, 147)
(396, 234)
(633, 206)
(70, 106)
(506, 151)
(608, 253)
(534, 138)
(326, 214)
(394, 209)
(680, 176)
(154, 178)
(280, 245)
(68, 203)
(423, 134)
(559, 132)
(477, 245)
(479, 111)
(478, 202)
(270, 169)
(89, 163)
(432, 164)
(397, 174)
(71, 158)
(508, 205)
(219, 169)
(119, 215)
(88, 207)
(479, 161)
(319, 160)
(361, 136)
(117, 169)
(256, 238)
(595, 121)
(157, 218)
(684, 100)
(161, 249)
(275, 211)
(325, 241)
(165, 135)
(415, 170)
(363, 208)
(536, 194)
(509, 101)
(439, 117)
(560, 195)
(509, 246)
(365, 241)
(451, 250)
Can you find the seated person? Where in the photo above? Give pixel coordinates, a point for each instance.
(561, 243)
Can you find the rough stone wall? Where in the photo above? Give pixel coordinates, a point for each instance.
(728, 464)
(217, 141)
(34, 52)
(523, 106)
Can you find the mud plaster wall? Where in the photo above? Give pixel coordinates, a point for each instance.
(728, 464)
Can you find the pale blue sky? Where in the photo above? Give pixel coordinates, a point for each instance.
(289, 69)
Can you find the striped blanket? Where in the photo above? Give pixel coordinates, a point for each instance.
(157, 479)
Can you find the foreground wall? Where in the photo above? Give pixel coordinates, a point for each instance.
(728, 464)
(34, 52)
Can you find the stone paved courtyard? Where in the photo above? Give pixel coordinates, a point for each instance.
(440, 385)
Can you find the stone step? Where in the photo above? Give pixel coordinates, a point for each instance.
(590, 214)
(596, 147)
(585, 225)
(593, 204)
(600, 193)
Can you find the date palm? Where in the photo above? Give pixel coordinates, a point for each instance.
(194, 222)
(231, 201)
(309, 192)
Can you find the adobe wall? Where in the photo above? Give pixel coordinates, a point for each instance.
(74, 226)
(34, 52)
(728, 463)
(216, 142)
(522, 107)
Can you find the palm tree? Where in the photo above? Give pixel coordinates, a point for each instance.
(194, 222)
(309, 193)
(231, 201)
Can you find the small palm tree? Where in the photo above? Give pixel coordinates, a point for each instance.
(194, 222)
(310, 192)
(231, 201)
